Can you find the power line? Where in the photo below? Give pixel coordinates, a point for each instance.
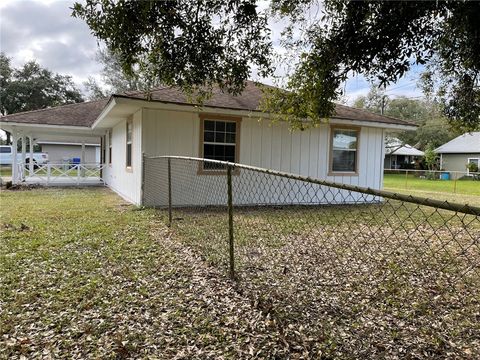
(411, 82)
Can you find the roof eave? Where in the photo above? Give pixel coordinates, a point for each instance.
(457, 152)
(168, 105)
(108, 107)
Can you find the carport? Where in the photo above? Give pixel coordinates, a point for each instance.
(65, 123)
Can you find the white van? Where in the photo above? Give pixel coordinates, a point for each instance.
(6, 156)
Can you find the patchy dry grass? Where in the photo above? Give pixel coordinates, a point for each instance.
(389, 281)
(84, 275)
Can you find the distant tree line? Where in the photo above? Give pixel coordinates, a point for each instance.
(433, 127)
(32, 87)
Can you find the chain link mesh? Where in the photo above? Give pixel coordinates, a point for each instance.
(343, 273)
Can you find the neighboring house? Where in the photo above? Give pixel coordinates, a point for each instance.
(399, 155)
(457, 153)
(348, 149)
(60, 152)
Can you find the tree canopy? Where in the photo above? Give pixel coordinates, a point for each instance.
(433, 128)
(196, 44)
(31, 87)
(115, 80)
(192, 44)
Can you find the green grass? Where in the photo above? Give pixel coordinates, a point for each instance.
(410, 182)
(85, 275)
(5, 171)
(343, 273)
(473, 200)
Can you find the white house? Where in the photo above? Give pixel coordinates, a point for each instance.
(399, 155)
(348, 149)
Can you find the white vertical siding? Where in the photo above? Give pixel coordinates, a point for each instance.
(267, 145)
(127, 183)
(170, 133)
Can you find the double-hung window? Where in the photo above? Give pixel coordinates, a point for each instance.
(110, 147)
(103, 144)
(344, 150)
(219, 141)
(475, 161)
(129, 143)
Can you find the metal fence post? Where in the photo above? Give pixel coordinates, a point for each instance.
(169, 193)
(455, 182)
(406, 179)
(231, 271)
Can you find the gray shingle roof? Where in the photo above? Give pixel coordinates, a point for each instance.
(466, 143)
(394, 146)
(80, 114)
(85, 114)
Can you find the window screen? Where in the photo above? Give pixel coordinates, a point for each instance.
(219, 141)
(473, 161)
(344, 150)
(129, 143)
(110, 147)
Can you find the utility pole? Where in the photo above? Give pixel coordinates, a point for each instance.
(382, 109)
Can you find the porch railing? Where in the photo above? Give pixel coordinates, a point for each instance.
(52, 173)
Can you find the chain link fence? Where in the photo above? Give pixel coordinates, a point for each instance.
(340, 271)
(458, 182)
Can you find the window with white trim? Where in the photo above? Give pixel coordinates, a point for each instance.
(344, 150)
(103, 146)
(129, 143)
(110, 147)
(219, 142)
(475, 161)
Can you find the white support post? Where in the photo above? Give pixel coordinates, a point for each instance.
(49, 173)
(14, 158)
(24, 154)
(30, 164)
(82, 159)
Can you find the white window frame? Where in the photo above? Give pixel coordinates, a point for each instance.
(468, 162)
(128, 142)
(110, 152)
(236, 145)
(334, 128)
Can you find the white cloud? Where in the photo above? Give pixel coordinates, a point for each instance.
(45, 30)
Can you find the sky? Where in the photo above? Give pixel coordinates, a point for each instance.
(44, 30)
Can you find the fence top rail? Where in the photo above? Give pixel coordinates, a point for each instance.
(432, 171)
(461, 208)
(62, 164)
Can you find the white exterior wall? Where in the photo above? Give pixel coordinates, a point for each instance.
(127, 183)
(265, 145)
(57, 153)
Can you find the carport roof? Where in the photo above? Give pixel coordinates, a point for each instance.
(79, 114)
(84, 114)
